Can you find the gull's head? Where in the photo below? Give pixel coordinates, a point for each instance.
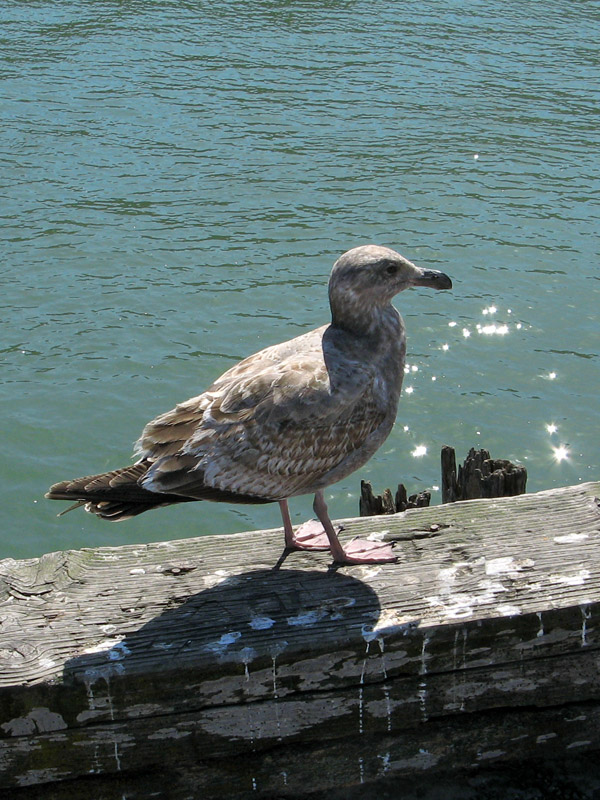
(369, 276)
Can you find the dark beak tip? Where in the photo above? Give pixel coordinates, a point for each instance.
(435, 279)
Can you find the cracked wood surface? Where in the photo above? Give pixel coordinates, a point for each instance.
(194, 651)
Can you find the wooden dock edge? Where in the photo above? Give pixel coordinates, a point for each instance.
(191, 668)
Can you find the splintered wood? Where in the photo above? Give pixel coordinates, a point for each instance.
(192, 668)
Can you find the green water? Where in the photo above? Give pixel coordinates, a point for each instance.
(177, 179)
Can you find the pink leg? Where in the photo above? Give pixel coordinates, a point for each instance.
(359, 551)
(309, 536)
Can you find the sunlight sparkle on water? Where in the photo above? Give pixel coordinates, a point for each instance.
(560, 453)
(466, 333)
(409, 390)
(419, 451)
(551, 428)
(500, 330)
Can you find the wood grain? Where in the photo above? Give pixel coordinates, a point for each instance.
(195, 659)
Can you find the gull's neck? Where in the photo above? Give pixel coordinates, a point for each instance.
(352, 314)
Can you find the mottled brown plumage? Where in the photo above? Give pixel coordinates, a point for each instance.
(289, 420)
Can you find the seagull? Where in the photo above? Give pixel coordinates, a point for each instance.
(289, 420)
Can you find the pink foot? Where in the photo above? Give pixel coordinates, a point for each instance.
(363, 551)
(311, 536)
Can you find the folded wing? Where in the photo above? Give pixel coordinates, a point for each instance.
(271, 427)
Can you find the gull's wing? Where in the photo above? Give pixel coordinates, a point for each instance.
(269, 427)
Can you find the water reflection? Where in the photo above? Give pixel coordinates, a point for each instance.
(560, 453)
(488, 330)
(175, 190)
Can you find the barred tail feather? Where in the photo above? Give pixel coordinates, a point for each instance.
(115, 495)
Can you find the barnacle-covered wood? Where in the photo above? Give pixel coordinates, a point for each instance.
(183, 668)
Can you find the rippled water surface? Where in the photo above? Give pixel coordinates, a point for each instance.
(177, 179)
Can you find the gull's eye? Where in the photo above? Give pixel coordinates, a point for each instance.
(391, 269)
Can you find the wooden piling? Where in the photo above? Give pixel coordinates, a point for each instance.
(191, 669)
(480, 476)
(371, 505)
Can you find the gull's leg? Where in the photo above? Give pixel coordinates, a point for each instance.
(358, 551)
(287, 524)
(309, 536)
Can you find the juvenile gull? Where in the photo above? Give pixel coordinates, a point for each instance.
(289, 420)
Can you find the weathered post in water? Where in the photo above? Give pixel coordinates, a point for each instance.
(480, 476)
(371, 505)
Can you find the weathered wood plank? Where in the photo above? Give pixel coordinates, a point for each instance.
(115, 660)
(503, 738)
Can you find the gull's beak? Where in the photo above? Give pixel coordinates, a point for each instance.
(432, 278)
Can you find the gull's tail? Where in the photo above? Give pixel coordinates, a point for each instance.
(116, 495)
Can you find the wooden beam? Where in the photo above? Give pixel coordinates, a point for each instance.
(194, 664)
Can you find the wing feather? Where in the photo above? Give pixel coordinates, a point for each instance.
(269, 427)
